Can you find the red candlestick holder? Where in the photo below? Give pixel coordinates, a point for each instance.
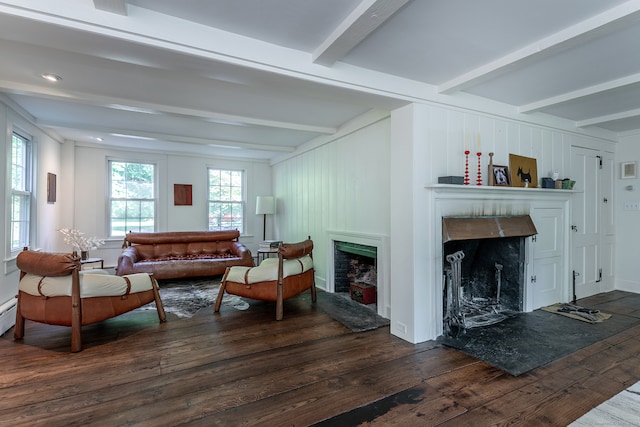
(479, 180)
(466, 167)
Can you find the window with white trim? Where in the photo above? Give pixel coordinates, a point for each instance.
(226, 199)
(132, 201)
(21, 192)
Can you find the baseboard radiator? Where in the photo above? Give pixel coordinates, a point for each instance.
(8, 315)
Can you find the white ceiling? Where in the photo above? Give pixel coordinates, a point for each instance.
(257, 78)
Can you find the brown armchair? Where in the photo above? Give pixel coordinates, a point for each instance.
(274, 279)
(53, 290)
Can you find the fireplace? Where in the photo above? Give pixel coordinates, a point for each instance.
(484, 269)
(361, 259)
(355, 271)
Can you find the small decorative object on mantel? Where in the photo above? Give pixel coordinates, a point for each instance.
(568, 184)
(466, 167)
(80, 243)
(479, 154)
(524, 171)
(451, 180)
(490, 177)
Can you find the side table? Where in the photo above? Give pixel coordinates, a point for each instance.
(92, 261)
(265, 253)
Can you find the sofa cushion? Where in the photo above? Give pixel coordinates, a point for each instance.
(268, 270)
(93, 283)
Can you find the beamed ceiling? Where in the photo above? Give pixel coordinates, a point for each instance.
(256, 79)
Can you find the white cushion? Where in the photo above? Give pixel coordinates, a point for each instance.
(268, 270)
(93, 283)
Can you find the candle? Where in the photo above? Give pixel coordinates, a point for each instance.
(478, 142)
(466, 140)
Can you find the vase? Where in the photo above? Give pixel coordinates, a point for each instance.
(84, 255)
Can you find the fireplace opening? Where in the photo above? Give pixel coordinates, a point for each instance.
(355, 272)
(483, 265)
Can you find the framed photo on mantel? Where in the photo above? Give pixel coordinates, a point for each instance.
(500, 175)
(524, 171)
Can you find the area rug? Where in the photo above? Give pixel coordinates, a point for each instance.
(583, 314)
(530, 340)
(623, 409)
(185, 297)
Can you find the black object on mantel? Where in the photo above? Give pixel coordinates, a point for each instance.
(451, 180)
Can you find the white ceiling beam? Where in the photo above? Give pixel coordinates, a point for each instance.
(580, 93)
(113, 6)
(603, 23)
(364, 19)
(595, 121)
(164, 136)
(124, 104)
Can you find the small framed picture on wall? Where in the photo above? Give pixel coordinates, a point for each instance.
(51, 188)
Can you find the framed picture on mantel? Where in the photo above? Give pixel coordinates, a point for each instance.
(524, 171)
(500, 175)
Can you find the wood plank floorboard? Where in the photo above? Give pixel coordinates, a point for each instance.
(246, 368)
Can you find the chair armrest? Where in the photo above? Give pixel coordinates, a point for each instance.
(126, 261)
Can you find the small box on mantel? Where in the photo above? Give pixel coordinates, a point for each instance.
(451, 180)
(363, 293)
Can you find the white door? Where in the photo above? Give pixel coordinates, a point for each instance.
(587, 222)
(546, 278)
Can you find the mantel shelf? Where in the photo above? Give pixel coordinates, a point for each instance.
(488, 188)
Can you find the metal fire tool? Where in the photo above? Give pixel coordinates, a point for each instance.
(498, 280)
(454, 322)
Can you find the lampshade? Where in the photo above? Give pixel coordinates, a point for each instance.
(265, 205)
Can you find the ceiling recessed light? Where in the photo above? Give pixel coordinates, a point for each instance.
(51, 77)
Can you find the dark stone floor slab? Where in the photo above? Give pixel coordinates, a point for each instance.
(352, 314)
(530, 340)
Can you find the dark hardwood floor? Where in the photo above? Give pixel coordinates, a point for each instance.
(245, 368)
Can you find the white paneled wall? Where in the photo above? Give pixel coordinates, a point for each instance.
(448, 129)
(340, 185)
(445, 131)
(345, 183)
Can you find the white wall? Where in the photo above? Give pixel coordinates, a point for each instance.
(340, 184)
(428, 141)
(91, 184)
(48, 159)
(627, 267)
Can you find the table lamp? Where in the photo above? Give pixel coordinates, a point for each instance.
(265, 205)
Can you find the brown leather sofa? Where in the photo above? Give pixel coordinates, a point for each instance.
(181, 254)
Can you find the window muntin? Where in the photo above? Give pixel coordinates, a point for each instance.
(226, 199)
(21, 192)
(132, 205)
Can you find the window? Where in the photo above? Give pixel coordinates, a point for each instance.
(132, 203)
(226, 200)
(21, 192)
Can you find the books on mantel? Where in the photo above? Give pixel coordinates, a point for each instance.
(269, 245)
